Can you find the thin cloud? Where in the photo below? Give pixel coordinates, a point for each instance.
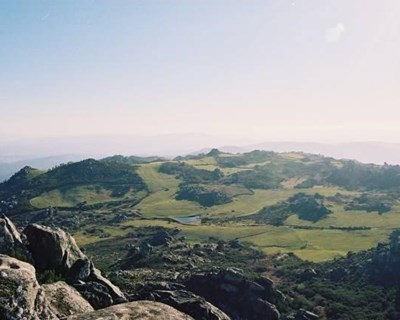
(335, 34)
(46, 16)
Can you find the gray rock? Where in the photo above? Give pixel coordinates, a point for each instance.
(80, 270)
(143, 310)
(96, 294)
(234, 294)
(187, 302)
(64, 300)
(20, 294)
(115, 293)
(52, 248)
(11, 243)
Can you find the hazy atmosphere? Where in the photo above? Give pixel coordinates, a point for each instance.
(200, 159)
(323, 71)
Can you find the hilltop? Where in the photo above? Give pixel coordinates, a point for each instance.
(267, 213)
(317, 207)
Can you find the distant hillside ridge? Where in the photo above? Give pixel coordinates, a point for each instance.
(28, 183)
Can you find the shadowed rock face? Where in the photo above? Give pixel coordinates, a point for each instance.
(54, 249)
(21, 296)
(143, 310)
(234, 294)
(187, 302)
(10, 240)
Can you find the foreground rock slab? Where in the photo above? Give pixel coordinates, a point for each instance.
(64, 300)
(20, 294)
(143, 310)
(187, 302)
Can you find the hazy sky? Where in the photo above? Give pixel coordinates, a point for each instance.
(267, 70)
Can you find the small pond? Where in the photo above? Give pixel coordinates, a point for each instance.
(187, 219)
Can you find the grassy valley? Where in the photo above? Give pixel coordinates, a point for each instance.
(272, 214)
(316, 207)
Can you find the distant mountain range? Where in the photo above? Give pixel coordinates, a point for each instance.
(170, 146)
(367, 152)
(8, 168)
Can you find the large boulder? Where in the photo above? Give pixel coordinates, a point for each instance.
(187, 302)
(89, 281)
(52, 249)
(11, 243)
(20, 294)
(233, 293)
(143, 310)
(115, 292)
(64, 300)
(97, 294)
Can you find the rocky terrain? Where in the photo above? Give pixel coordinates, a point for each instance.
(41, 251)
(44, 275)
(215, 236)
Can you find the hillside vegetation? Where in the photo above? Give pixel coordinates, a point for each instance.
(316, 207)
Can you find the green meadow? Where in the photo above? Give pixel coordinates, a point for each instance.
(318, 240)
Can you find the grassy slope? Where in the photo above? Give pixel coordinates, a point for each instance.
(308, 244)
(342, 218)
(161, 200)
(69, 197)
(315, 245)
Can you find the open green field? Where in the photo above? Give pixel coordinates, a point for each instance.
(161, 200)
(343, 218)
(319, 240)
(163, 187)
(69, 197)
(314, 245)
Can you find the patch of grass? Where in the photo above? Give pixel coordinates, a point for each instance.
(155, 180)
(342, 218)
(313, 245)
(318, 245)
(71, 196)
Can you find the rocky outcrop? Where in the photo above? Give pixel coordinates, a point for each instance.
(88, 280)
(20, 294)
(54, 249)
(21, 297)
(63, 300)
(161, 238)
(187, 302)
(233, 293)
(143, 310)
(222, 294)
(10, 240)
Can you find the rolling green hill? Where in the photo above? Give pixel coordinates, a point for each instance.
(314, 206)
(87, 181)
